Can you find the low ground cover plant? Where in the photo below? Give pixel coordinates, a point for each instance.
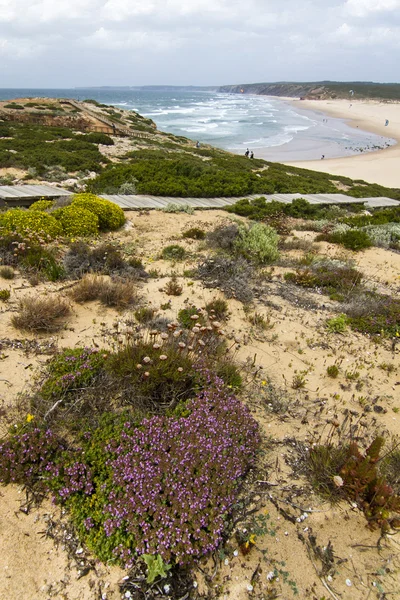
(173, 252)
(374, 314)
(332, 277)
(105, 258)
(134, 483)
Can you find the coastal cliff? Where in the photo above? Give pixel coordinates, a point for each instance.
(322, 90)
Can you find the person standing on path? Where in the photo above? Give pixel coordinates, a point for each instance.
(252, 154)
(247, 153)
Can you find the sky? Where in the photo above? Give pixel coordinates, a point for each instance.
(68, 43)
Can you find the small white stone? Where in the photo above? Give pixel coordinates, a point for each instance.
(249, 587)
(195, 584)
(270, 575)
(226, 562)
(235, 553)
(330, 578)
(348, 583)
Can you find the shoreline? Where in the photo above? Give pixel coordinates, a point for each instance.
(332, 138)
(380, 166)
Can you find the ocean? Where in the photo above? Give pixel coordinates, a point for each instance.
(272, 128)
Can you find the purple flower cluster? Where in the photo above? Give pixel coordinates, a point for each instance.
(175, 479)
(26, 457)
(77, 478)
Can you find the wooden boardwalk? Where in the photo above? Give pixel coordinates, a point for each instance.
(140, 202)
(25, 195)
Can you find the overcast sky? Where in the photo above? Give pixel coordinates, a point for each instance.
(67, 43)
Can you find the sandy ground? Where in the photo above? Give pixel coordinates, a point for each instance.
(296, 343)
(375, 167)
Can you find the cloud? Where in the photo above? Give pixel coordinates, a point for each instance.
(363, 8)
(198, 41)
(107, 39)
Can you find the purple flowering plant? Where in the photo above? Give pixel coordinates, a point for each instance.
(162, 486)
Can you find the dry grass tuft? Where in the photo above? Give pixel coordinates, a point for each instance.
(116, 294)
(39, 314)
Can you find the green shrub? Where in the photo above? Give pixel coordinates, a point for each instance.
(337, 324)
(173, 252)
(42, 205)
(5, 295)
(77, 221)
(194, 233)
(353, 239)
(26, 221)
(99, 138)
(7, 273)
(332, 371)
(110, 216)
(258, 243)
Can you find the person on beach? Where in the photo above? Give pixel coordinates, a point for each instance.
(247, 153)
(386, 122)
(252, 154)
(197, 144)
(322, 157)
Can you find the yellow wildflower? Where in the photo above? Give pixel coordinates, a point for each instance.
(29, 418)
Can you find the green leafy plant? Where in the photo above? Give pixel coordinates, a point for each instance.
(337, 324)
(173, 252)
(5, 295)
(332, 371)
(156, 567)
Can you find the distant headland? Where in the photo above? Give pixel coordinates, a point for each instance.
(320, 90)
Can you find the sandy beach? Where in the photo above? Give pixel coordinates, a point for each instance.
(381, 166)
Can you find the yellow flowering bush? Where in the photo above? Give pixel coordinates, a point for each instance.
(42, 205)
(27, 221)
(77, 221)
(109, 214)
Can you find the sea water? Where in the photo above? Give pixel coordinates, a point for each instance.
(270, 127)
